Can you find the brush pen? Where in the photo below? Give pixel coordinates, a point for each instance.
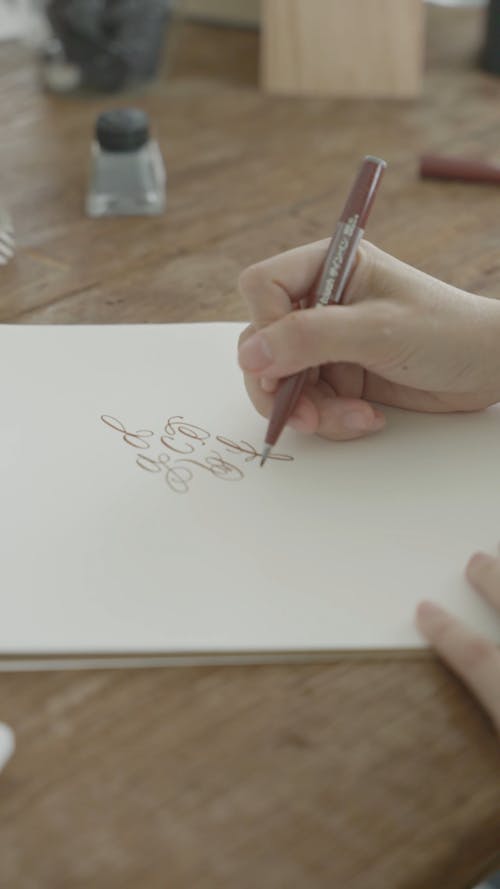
(330, 284)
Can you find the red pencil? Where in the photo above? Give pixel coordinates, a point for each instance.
(330, 284)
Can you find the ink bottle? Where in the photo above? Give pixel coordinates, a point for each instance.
(7, 244)
(491, 49)
(127, 176)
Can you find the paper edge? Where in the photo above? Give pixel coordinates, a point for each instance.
(201, 659)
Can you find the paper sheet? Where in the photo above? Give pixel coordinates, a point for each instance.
(135, 519)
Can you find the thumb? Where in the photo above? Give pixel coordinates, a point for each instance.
(310, 337)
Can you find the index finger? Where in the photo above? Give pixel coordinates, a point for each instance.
(475, 659)
(271, 287)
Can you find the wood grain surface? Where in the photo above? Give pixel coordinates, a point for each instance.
(368, 48)
(360, 774)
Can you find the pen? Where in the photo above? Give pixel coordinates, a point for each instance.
(435, 166)
(330, 283)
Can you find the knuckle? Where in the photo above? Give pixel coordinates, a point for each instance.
(382, 331)
(266, 298)
(384, 316)
(251, 280)
(385, 323)
(361, 283)
(298, 332)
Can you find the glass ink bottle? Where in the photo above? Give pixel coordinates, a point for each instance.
(127, 176)
(7, 244)
(491, 49)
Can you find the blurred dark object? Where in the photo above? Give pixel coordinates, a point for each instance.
(6, 237)
(438, 166)
(104, 45)
(491, 49)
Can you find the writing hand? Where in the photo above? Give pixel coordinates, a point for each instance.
(401, 338)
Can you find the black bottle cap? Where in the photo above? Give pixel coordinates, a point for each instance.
(122, 130)
(491, 50)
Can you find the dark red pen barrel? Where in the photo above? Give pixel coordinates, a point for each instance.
(285, 402)
(330, 285)
(433, 166)
(363, 192)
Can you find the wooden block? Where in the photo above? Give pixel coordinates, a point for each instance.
(230, 12)
(363, 48)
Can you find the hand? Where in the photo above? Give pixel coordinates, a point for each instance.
(400, 338)
(476, 660)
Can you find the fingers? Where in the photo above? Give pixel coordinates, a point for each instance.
(343, 419)
(272, 286)
(273, 289)
(320, 411)
(304, 418)
(313, 337)
(483, 571)
(475, 659)
(294, 340)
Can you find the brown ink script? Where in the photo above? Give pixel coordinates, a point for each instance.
(183, 449)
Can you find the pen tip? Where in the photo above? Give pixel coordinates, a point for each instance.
(265, 454)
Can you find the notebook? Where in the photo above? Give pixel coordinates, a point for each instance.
(136, 522)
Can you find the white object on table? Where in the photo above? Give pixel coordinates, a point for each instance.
(15, 17)
(142, 537)
(457, 2)
(7, 744)
(7, 242)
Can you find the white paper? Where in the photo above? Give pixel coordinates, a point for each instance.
(330, 550)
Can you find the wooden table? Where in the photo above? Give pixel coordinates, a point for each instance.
(368, 773)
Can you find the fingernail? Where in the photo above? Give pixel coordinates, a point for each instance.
(255, 354)
(429, 615)
(298, 423)
(357, 421)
